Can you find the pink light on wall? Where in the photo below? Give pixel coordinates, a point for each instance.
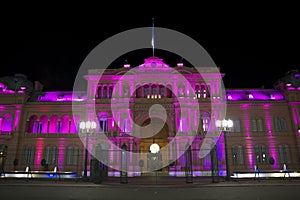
(272, 147)
(17, 118)
(266, 108)
(296, 116)
(61, 153)
(39, 151)
(250, 155)
(244, 108)
(63, 96)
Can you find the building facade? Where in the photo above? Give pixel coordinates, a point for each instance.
(41, 129)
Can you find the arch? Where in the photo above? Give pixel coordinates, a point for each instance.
(110, 91)
(181, 90)
(163, 134)
(99, 92)
(162, 90)
(205, 121)
(104, 92)
(74, 124)
(169, 92)
(139, 91)
(32, 124)
(146, 90)
(7, 123)
(43, 125)
(65, 124)
(54, 128)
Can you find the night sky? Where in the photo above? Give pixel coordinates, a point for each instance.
(252, 48)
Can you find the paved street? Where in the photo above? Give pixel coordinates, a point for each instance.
(178, 189)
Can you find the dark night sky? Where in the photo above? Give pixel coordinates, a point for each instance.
(253, 48)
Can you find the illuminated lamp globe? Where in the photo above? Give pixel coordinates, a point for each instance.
(154, 148)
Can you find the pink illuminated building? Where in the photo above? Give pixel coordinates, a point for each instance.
(37, 125)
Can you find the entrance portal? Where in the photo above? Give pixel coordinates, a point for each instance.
(155, 161)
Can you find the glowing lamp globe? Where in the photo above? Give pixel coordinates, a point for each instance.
(154, 148)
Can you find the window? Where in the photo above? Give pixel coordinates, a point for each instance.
(126, 126)
(103, 124)
(37, 127)
(182, 125)
(284, 154)
(146, 91)
(237, 155)
(197, 92)
(28, 155)
(257, 125)
(254, 125)
(110, 91)
(72, 155)
(104, 94)
(236, 125)
(51, 155)
(162, 91)
(260, 125)
(7, 124)
(280, 124)
(205, 122)
(261, 154)
(99, 92)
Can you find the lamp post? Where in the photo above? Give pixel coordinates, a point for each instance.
(225, 126)
(87, 128)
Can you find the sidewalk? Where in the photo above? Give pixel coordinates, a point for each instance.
(150, 182)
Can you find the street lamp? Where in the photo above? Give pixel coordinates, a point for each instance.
(225, 126)
(87, 128)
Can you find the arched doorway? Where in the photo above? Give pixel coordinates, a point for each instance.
(161, 138)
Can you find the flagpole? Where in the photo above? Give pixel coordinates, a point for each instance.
(152, 41)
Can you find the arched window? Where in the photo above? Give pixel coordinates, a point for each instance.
(197, 92)
(162, 91)
(103, 123)
(146, 91)
(99, 92)
(65, 124)
(7, 123)
(154, 90)
(203, 91)
(126, 126)
(32, 124)
(181, 91)
(104, 92)
(54, 124)
(169, 91)
(205, 122)
(110, 92)
(43, 124)
(75, 124)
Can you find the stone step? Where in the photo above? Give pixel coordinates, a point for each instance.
(155, 174)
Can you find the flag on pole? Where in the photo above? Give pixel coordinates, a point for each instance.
(152, 40)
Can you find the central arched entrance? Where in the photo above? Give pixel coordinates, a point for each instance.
(161, 138)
